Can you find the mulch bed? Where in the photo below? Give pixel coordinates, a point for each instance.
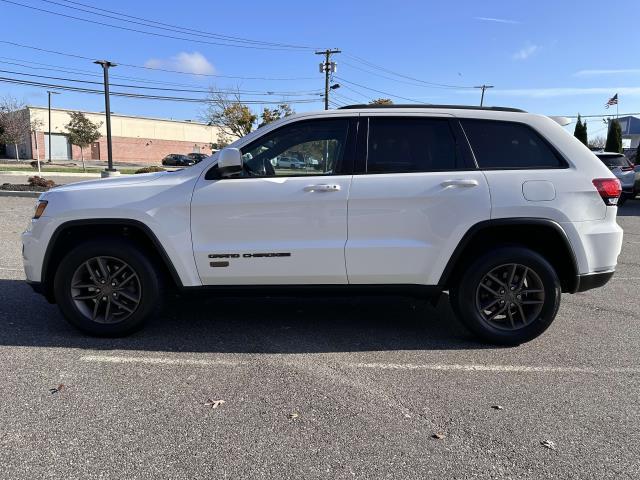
(22, 188)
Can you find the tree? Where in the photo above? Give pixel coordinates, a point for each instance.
(229, 114)
(271, 115)
(580, 131)
(82, 132)
(597, 142)
(381, 101)
(221, 141)
(14, 122)
(614, 137)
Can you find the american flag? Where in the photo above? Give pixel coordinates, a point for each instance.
(612, 101)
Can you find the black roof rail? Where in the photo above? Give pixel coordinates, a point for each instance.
(417, 105)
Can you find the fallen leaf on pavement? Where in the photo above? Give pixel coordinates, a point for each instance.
(548, 444)
(293, 415)
(438, 436)
(214, 403)
(497, 407)
(59, 388)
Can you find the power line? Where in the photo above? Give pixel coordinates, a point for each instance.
(600, 116)
(181, 90)
(367, 97)
(377, 91)
(175, 28)
(373, 65)
(166, 70)
(71, 88)
(415, 84)
(120, 27)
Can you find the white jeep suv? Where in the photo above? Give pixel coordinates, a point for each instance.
(501, 208)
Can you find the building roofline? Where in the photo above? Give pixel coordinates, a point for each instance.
(188, 122)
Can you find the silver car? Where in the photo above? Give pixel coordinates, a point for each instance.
(622, 168)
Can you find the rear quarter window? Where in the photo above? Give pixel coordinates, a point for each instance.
(508, 145)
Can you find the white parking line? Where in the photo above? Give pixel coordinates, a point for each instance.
(371, 366)
(160, 361)
(495, 368)
(12, 269)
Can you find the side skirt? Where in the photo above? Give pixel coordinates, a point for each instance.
(420, 291)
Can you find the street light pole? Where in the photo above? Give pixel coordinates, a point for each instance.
(49, 92)
(109, 171)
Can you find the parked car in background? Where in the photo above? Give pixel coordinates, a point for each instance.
(622, 168)
(177, 160)
(313, 163)
(289, 162)
(197, 157)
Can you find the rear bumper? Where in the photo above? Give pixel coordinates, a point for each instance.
(593, 280)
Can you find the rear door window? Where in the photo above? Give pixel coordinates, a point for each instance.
(403, 144)
(507, 145)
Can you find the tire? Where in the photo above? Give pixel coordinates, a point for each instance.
(523, 317)
(131, 287)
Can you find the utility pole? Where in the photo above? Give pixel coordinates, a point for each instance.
(109, 171)
(49, 92)
(483, 87)
(327, 67)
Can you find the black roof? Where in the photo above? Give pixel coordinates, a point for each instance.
(417, 105)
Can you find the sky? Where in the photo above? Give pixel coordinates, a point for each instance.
(548, 56)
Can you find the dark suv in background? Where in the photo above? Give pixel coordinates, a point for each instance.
(177, 160)
(197, 157)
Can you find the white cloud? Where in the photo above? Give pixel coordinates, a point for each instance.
(498, 20)
(184, 61)
(526, 52)
(618, 71)
(562, 92)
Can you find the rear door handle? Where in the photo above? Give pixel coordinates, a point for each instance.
(462, 182)
(323, 187)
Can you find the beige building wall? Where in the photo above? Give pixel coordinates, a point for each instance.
(132, 127)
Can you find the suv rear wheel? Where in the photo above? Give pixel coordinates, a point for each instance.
(107, 288)
(507, 296)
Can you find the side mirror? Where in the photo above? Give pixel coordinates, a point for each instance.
(229, 162)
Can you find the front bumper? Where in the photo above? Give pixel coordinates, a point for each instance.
(593, 280)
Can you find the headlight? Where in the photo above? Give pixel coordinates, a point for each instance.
(40, 206)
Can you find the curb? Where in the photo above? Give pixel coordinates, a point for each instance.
(16, 193)
(50, 174)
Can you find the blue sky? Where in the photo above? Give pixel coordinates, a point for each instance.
(550, 57)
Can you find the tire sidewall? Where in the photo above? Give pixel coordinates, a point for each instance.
(117, 248)
(465, 295)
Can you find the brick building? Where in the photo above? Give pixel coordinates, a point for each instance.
(135, 139)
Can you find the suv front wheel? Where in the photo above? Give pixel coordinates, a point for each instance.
(107, 287)
(508, 296)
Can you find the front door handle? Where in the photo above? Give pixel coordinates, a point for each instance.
(462, 182)
(323, 187)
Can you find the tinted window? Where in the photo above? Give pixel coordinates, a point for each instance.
(304, 148)
(614, 160)
(508, 145)
(399, 145)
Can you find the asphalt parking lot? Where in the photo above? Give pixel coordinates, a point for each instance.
(318, 388)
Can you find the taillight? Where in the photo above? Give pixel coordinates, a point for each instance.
(609, 189)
